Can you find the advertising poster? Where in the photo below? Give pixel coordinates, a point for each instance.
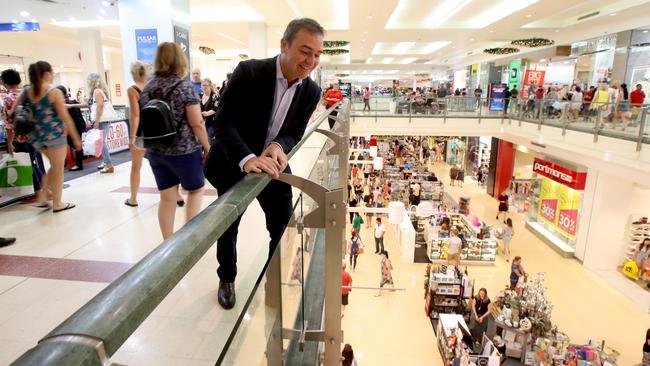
(559, 206)
(497, 96)
(534, 79)
(146, 42)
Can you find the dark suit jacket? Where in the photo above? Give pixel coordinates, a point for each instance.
(243, 116)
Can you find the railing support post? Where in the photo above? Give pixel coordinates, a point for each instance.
(639, 141)
(564, 119)
(597, 124)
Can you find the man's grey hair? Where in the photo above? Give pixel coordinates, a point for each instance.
(308, 24)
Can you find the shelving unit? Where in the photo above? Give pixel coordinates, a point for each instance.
(636, 232)
(479, 251)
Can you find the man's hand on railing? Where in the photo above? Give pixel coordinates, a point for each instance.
(262, 164)
(274, 151)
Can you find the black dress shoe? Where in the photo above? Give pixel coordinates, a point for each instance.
(226, 295)
(6, 241)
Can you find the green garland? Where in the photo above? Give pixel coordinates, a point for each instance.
(533, 42)
(501, 50)
(335, 44)
(335, 51)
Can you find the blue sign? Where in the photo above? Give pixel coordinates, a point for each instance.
(20, 27)
(146, 42)
(497, 96)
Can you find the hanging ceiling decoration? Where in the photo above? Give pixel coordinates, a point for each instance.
(206, 50)
(335, 51)
(501, 50)
(334, 44)
(533, 42)
(243, 56)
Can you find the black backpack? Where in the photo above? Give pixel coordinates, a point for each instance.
(157, 122)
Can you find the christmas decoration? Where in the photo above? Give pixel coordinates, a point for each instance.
(335, 44)
(335, 51)
(533, 42)
(501, 50)
(206, 50)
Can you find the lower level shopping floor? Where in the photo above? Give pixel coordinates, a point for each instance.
(188, 326)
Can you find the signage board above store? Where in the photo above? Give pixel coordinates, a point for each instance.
(560, 174)
(534, 77)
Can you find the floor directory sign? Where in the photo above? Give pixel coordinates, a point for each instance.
(146, 42)
(182, 38)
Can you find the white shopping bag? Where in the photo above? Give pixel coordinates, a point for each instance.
(16, 175)
(92, 142)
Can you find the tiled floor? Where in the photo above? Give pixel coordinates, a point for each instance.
(189, 327)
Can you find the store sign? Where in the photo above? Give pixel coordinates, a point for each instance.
(560, 174)
(117, 138)
(534, 77)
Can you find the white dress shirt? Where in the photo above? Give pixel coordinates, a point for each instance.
(281, 102)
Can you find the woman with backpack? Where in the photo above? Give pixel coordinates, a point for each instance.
(44, 110)
(181, 162)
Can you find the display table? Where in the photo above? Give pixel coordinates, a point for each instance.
(517, 340)
(406, 240)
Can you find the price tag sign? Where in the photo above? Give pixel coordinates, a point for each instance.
(549, 210)
(568, 220)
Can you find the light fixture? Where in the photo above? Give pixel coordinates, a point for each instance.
(529, 15)
(369, 16)
(491, 31)
(471, 39)
(366, 32)
(612, 14)
(72, 19)
(105, 3)
(102, 11)
(24, 14)
(557, 31)
(645, 31)
(566, 62)
(542, 60)
(445, 11)
(53, 20)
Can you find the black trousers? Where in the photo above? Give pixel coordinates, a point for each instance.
(276, 202)
(331, 119)
(78, 156)
(353, 260)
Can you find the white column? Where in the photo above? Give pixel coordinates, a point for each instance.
(257, 47)
(92, 59)
(142, 15)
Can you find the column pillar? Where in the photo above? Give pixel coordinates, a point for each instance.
(257, 47)
(92, 59)
(167, 21)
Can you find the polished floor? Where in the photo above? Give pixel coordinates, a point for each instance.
(60, 261)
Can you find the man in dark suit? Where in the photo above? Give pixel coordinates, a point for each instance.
(262, 115)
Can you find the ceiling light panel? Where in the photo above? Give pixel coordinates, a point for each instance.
(577, 13)
(495, 12)
(225, 13)
(332, 14)
(407, 48)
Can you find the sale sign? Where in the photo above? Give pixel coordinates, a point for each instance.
(548, 210)
(568, 221)
(534, 77)
(559, 206)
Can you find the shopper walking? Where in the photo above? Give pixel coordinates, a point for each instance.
(386, 272)
(637, 97)
(11, 81)
(80, 125)
(208, 105)
(481, 309)
(455, 244)
(508, 232)
(354, 248)
(516, 272)
(356, 223)
(256, 138)
(380, 230)
(642, 256)
(332, 97)
(180, 163)
(348, 356)
(576, 103)
(366, 99)
(503, 205)
(346, 282)
(600, 103)
(196, 81)
(50, 117)
(622, 107)
(100, 116)
(139, 75)
(645, 360)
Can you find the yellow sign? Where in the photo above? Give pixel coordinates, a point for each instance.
(559, 205)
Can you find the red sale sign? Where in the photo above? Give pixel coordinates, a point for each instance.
(549, 209)
(568, 221)
(534, 77)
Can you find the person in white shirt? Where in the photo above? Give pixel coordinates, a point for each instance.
(576, 103)
(455, 244)
(380, 230)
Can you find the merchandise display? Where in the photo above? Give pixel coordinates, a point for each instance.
(635, 264)
(522, 192)
(480, 247)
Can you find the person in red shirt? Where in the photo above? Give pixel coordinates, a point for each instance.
(346, 280)
(637, 97)
(587, 97)
(332, 96)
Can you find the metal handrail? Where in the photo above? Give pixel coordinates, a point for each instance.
(98, 329)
